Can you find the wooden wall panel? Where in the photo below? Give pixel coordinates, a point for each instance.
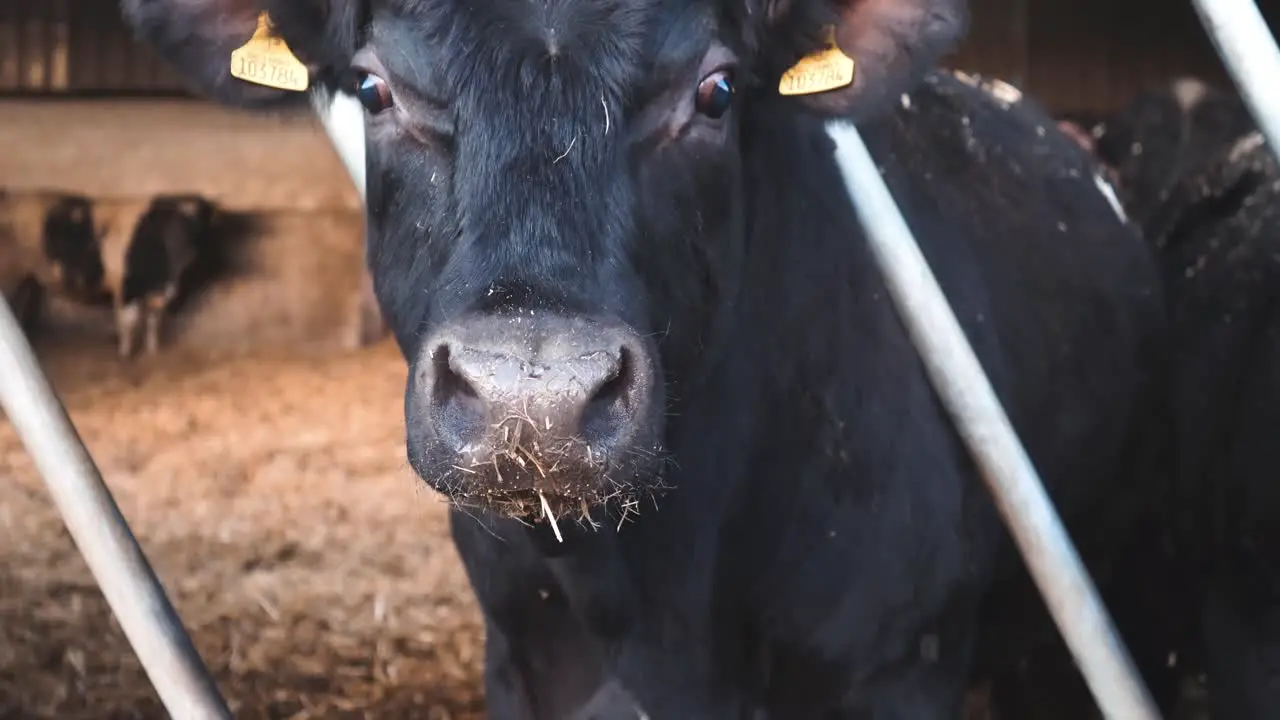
(57, 47)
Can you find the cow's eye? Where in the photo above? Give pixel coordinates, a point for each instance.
(373, 93)
(715, 94)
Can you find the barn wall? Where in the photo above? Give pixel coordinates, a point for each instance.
(1091, 55)
(75, 47)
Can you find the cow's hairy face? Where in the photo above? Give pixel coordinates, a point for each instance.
(573, 181)
(554, 195)
(567, 164)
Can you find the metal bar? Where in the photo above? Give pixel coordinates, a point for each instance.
(1249, 52)
(964, 389)
(343, 119)
(101, 533)
(1020, 20)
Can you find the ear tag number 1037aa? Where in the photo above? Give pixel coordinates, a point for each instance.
(267, 60)
(826, 69)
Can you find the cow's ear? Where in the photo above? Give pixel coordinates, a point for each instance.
(198, 38)
(892, 44)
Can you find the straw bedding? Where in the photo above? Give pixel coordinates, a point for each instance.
(272, 497)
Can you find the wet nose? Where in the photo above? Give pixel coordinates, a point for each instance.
(556, 378)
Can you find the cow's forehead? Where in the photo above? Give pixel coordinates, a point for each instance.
(568, 20)
(610, 44)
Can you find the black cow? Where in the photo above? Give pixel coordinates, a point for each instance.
(1191, 164)
(71, 248)
(636, 302)
(49, 240)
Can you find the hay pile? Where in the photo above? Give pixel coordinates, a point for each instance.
(272, 497)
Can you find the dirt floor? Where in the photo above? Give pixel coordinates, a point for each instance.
(272, 496)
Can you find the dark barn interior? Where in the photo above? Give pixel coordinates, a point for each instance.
(268, 486)
(1073, 55)
(1091, 56)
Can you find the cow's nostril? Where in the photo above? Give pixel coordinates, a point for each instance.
(605, 414)
(451, 391)
(520, 416)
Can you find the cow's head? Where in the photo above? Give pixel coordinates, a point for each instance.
(555, 199)
(1166, 134)
(71, 248)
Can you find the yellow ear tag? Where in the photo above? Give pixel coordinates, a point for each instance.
(824, 70)
(267, 60)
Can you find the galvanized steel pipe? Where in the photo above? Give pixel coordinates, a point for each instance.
(342, 117)
(1251, 57)
(102, 534)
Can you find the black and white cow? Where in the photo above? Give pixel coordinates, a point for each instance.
(1190, 163)
(695, 457)
(151, 248)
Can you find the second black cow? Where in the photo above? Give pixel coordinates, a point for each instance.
(1192, 168)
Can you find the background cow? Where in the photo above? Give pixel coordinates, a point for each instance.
(1166, 134)
(71, 248)
(619, 263)
(47, 241)
(150, 248)
(1080, 127)
(1190, 163)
